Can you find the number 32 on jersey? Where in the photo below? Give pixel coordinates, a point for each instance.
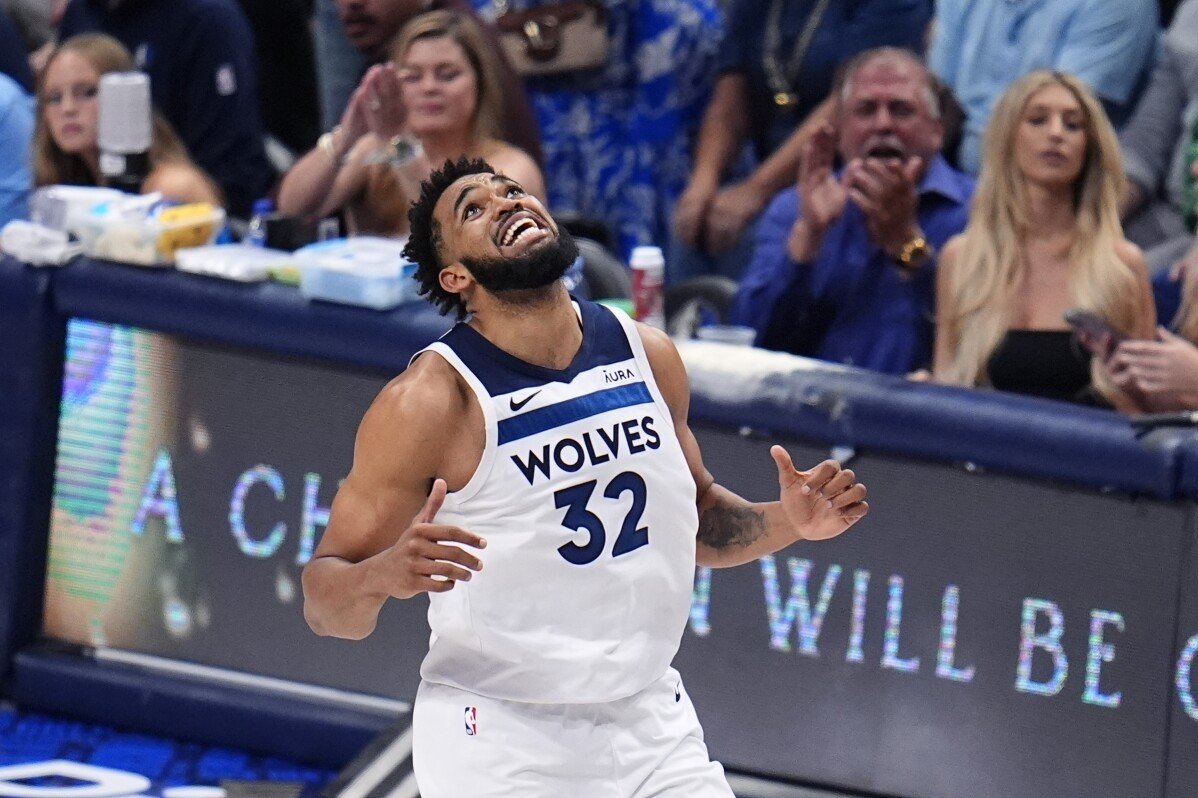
(575, 500)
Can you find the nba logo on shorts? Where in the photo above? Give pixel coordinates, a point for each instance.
(471, 721)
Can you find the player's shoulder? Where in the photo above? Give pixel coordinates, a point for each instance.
(429, 391)
(656, 342)
(669, 372)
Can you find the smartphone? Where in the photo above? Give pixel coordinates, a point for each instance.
(1095, 326)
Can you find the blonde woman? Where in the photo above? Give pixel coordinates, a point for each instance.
(66, 148)
(437, 100)
(1043, 238)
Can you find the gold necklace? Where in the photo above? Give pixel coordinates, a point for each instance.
(782, 81)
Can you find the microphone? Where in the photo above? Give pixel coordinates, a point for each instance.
(126, 130)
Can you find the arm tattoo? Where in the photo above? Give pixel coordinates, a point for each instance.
(723, 527)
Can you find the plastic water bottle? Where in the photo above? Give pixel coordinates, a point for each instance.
(255, 236)
(648, 286)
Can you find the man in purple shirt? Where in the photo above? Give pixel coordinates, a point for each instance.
(843, 265)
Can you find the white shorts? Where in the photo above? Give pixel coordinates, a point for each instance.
(649, 744)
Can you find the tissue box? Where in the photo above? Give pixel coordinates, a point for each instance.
(70, 208)
(369, 272)
(153, 240)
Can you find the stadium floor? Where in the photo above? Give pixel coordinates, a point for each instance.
(27, 738)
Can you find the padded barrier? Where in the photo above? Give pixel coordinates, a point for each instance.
(268, 316)
(847, 407)
(180, 707)
(1188, 477)
(750, 388)
(31, 341)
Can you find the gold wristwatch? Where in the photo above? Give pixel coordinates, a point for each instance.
(915, 253)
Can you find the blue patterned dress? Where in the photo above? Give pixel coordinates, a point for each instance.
(617, 141)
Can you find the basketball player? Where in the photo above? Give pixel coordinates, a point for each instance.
(533, 472)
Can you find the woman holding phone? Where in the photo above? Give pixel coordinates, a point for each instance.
(1043, 239)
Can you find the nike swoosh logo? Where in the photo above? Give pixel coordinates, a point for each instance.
(517, 405)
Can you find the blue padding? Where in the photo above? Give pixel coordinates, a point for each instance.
(1031, 437)
(1188, 480)
(31, 342)
(124, 696)
(744, 387)
(764, 392)
(265, 316)
(842, 406)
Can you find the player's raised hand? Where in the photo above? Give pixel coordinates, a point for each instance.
(820, 503)
(423, 559)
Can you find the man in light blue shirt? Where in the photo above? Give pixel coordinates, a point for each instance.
(16, 134)
(980, 46)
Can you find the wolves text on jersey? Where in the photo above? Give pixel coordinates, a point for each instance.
(569, 454)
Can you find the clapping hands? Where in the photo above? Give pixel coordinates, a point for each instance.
(822, 197)
(885, 190)
(376, 106)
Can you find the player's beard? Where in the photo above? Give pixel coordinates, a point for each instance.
(537, 268)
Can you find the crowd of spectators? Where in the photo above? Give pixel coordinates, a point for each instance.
(777, 63)
(16, 131)
(201, 60)
(440, 98)
(978, 48)
(838, 271)
(920, 187)
(371, 27)
(1158, 209)
(65, 143)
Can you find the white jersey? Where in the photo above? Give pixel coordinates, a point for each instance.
(589, 512)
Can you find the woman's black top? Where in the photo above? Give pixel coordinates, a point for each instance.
(1046, 363)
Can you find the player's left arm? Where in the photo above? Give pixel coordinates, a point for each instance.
(813, 505)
